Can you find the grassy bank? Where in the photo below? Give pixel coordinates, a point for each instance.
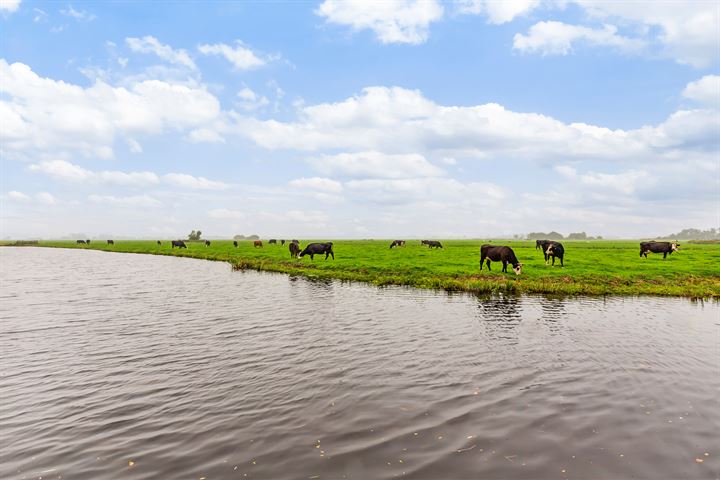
(591, 267)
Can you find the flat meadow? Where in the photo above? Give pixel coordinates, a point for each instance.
(591, 267)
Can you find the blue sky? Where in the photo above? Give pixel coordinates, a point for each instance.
(332, 118)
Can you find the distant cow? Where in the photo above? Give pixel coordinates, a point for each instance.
(500, 254)
(424, 242)
(207, 243)
(178, 244)
(235, 243)
(318, 249)
(159, 242)
(665, 248)
(555, 249)
(111, 242)
(295, 241)
(257, 243)
(282, 242)
(294, 249)
(80, 242)
(397, 243)
(272, 240)
(433, 244)
(87, 241)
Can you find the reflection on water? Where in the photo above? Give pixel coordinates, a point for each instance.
(129, 366)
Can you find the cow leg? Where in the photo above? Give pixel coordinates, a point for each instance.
(553, 262)
(562, 262)
(504, 269)
(333, 254)
(664, 255)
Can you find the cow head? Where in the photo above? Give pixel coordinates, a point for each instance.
(675, 246)
(517, 268)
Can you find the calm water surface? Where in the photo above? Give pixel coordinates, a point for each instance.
(132, 366)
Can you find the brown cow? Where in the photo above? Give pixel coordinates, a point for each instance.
(257, 243)
(294, 249)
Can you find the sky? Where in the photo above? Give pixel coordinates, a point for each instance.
(358, 119)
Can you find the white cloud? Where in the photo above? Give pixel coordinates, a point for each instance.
(557, 38)
(240, 56)
(392, 21)
(189, 181)
(9, 5)
(133, 145)
(426, 191)
(45, 115)
(327, 185)
(205, 135)
(150, 44)
(44, 198)
(498, 12)
(66, 171)
(79, 15)
(625, 182)
(249, 100)
(40, 15)
(374, 164)
(397, 121)
(144, 201)
(704, 91)
(226, 214)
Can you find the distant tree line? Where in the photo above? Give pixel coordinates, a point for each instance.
(694, 234)
(243, 237)
(558, 236)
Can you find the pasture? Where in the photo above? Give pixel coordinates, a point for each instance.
(591, 267)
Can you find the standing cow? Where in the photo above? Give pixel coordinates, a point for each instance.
(111, 242)
(178, 244)
(500, 254)
(282, 242)
(318, 249)
(294, 249)
(207, 243)
(87, 241)
(235, 243)
(80, 242)
(555, 249)
(159, 242)
(397, 243)
(666, 248)
(258, 243)
(433, 244)
(271, 241)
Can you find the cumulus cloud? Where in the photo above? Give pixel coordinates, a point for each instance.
(45, 115)
(189, 181)
(327, 185)
(398, 121)
(625, 182)
(63, 170)
(558, 38)
(376, 165)
(9, 6)
(150, 44)
(705, 91)
(249, 100)
(43, 198)
(240, 56)
(205, 135)
(392, 21)
(498, 12)
(144, 201)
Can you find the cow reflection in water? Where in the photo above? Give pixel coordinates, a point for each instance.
(500, 315)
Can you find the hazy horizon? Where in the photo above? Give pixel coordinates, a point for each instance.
(351, 119)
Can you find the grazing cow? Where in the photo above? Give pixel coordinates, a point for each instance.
(294, 249)
(433, 244)
(318, 249)
(257, 243)
(555, 249)
(207, 243)
(665, 248)
(159, 242)
(111, 242)
(282, 242)
(272, 240)
(178, 243)
(80, 242)
(397, 243)
(500, 254)
(235, 243)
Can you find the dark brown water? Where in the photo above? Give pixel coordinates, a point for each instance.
(131, 366)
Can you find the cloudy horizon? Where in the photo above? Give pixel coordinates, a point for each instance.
(352, 119)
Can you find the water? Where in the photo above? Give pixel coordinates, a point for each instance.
(133, 366)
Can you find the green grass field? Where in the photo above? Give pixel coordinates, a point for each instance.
(591, 267)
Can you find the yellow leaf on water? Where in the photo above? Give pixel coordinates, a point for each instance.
(130, 463)
(699, 460)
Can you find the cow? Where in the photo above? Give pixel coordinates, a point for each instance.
(295, 241)
(665, 248)
(555, 249)
(500, 254)
(111, 242)
(433, 244)
(235, 243)
(397, 243)
(178, 243)
(318, 249)
(207, 243)
(87, 241)
(159, 242)
(294, 249)
(257, 243)
(424, 242)
(272, 240)
(282, 242)
(80, 242)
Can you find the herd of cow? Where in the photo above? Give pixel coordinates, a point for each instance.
(488, 253)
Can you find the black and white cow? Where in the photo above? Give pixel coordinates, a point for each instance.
(318, 249)
(555, 249)
(178, 244)
(666, 248)
(397, 243)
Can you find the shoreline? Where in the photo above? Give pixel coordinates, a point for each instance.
(693, 287)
